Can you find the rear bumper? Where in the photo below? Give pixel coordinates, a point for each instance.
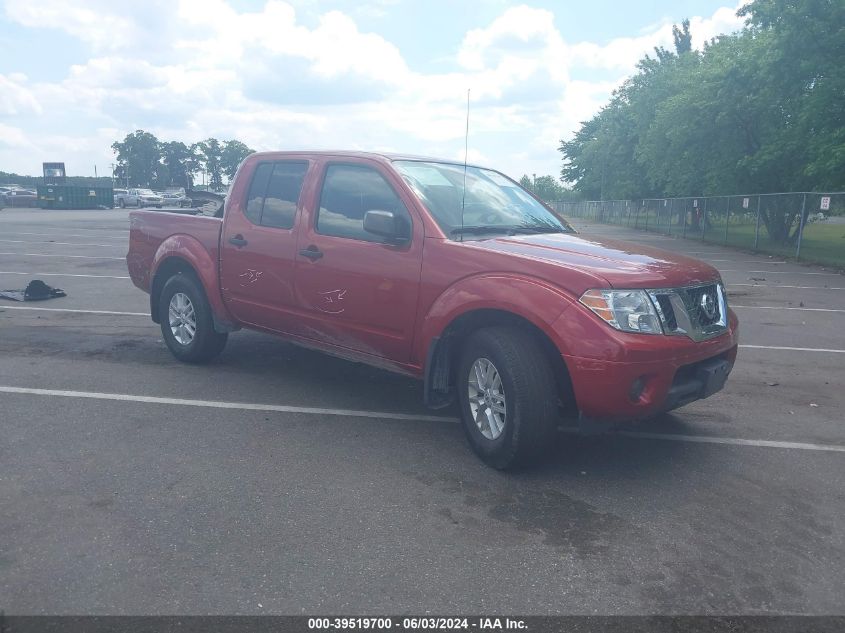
(610, 391)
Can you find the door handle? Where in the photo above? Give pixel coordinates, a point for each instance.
(312, 252)
(238, 241)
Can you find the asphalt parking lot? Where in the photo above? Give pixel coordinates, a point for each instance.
(279, 480)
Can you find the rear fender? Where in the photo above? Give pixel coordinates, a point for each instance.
(184, 248)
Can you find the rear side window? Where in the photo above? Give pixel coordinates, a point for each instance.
(255, 200)
(274, 193)
(349, 191)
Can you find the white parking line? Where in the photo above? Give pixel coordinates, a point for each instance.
(778, 272)
(746, 261)
(795, 349)
(784, 286)
(62, 229)
(384, 415)
(704, 439)
(63, 256)
(784, 308)
(99, 237)
(61, 243)
(216, 404)
(143, 314)
(10, 272)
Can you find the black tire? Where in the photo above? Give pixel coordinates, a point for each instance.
(530, 396)
(206, 343)
(121, 203)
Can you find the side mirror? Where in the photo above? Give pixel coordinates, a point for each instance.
(385, 224)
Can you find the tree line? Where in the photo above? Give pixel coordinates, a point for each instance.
(144, 161)
(758, 111)
(548, 188)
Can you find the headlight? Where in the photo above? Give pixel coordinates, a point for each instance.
(626, 310)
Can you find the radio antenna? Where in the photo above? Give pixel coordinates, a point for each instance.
(466, 150)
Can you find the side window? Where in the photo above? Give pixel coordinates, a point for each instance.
(255, 199)
(283, 194)
(274, 193)
(349, 191)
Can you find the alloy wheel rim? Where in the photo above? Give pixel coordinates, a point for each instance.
(183, 318)
(487, 398)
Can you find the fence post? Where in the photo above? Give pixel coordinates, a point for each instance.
(704, 220)
(727, 219)
(757, 228)
(684, 231)
(646, 217)
(671, 214)
(801, 227)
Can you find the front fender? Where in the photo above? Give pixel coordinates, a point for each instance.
(532, 299)
(191, 250)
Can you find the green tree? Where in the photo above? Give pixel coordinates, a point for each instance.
(138, 160)
(232, 155)
(179, 162)
(210, 153)
(757, 111)
(547, 188)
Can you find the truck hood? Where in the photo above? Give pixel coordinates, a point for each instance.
(621, 264)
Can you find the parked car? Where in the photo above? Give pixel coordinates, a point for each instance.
(17, 197)
(456, 276)
(175, 199)
(139, 198)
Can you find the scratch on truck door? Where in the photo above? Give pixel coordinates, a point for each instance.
(331, 303)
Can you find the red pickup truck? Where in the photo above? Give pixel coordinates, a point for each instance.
(454, 275)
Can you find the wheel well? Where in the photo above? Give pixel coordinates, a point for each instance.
(445, 351)
(168, 268)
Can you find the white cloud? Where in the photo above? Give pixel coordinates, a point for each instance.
(13, 137)
(15, 98)
(273, 81)
(96, 22)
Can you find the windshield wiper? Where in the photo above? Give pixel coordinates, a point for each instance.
(476, 229)
(539, 229)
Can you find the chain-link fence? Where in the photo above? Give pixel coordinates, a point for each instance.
(808, 226)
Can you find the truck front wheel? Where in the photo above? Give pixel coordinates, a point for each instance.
(507, 395)
(186, 323)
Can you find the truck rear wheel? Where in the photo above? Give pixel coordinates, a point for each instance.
(186, 323)
(507, 395)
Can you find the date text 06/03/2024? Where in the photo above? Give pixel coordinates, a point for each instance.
(417, 623)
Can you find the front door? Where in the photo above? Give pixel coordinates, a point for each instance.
(357, 291)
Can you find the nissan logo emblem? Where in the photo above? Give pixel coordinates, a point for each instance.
(708, 305)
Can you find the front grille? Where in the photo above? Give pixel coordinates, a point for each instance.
(696, 298)
(668, 314)
(699, 312)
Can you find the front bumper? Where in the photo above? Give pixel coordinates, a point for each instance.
(610, 391)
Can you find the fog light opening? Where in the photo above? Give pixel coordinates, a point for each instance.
(637, 388)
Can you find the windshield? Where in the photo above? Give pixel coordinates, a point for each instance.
(492, 204)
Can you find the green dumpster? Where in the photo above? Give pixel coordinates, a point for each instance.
(74, 197)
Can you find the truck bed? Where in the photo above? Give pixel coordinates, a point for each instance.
(148, 230)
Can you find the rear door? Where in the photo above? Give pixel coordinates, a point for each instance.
(357, 291)
(258, 246)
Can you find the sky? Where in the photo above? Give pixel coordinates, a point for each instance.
(375, 75)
